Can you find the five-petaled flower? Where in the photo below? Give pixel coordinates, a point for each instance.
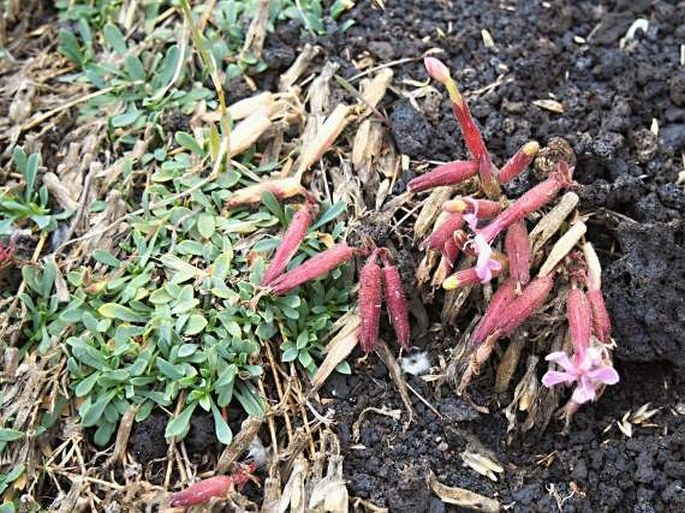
(589, 373)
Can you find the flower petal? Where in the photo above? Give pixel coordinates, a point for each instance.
(562, 359)
(606, 375)
(552, 378)
(585, 391)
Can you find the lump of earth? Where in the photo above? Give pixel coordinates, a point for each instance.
(645, 291)
(410, 129)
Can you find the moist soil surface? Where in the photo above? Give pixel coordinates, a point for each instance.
(623, 104)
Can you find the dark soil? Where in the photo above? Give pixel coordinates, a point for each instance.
(626, 176)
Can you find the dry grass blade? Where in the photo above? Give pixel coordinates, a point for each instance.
(248, 431)
(432, 207)
(338, 349)
(325, 137)
(552, 221)
(356, 427)
(243, 108)
(397, 377)
(123, 434)
(246, 133)
(563, 247)
(256, 33)
(510, 360)
(481, 463)
(304, 59)
(462, 497)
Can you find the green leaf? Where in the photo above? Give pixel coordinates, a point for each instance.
(274, 206)
(302, 340)
(206, 225)
(289, 354)
(227, 376)
(114, 38)
(105, 257)
(135, 68)
(125, 119)
(178, 426)
(305, 359)
(344, 368)
(123, 313)
(169, 370)
(330, 214)
(10, 435)
(30, 175)
(188, 142)
(91, 413)
(223, 432)
(195, 325)
(49, 274)
(85, 386)
(249, 399)
(69, 46)
(86, 353)
(187, 350)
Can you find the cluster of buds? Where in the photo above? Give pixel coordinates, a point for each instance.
(373, 279)
(449, 237)
(471, 225)
(589, 367)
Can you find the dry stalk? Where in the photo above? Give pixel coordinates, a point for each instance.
(396, 375)
(462, 497)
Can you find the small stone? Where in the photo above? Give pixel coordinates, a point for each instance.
(382, 49)
(677, 89)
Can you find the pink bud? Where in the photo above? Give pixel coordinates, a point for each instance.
(312, 268)
(370, 297)
(601, 322)
(396, 303)
(534, 199)
(579, 315)
(444, 231)
(518, 162)
(518, 251)
(202, 491)
(472, 134)
(488, 182)
(484, 209)
(501, 299)
(436, 69)
(292, 239)
(446, 174)
(530, 300)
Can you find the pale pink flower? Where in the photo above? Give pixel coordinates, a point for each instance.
(485, 263)
(589, 373)
(472, 218)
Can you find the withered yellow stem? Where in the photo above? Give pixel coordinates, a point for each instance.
(335, 123)
(552, 221)
(246, 133)
(593, 266)
(563, 247)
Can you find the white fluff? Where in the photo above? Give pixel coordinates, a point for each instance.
(416, 364)
(257, 453)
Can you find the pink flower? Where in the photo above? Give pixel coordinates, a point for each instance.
(472, 218)
(485, 263)
(589, 373)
